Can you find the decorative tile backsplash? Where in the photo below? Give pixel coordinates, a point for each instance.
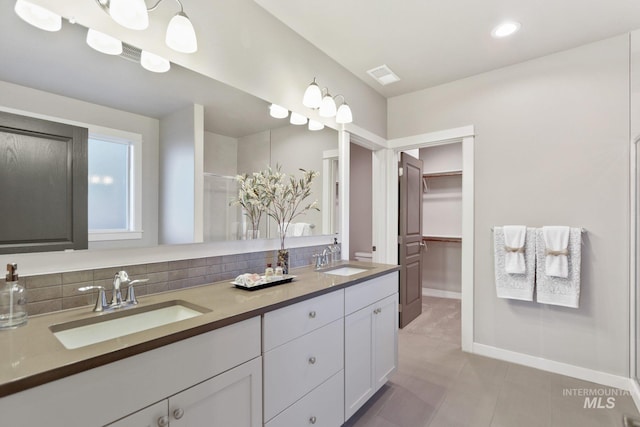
(59, 291)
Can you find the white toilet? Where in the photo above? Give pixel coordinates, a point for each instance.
(364, 256)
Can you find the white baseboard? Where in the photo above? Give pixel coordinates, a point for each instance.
(429, 292)
(603, 378)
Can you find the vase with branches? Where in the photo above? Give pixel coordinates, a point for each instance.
(250, 198)
(285, 197)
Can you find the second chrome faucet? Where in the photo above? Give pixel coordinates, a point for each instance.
(120, 278)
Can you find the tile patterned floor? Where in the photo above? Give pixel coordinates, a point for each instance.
(437, 385)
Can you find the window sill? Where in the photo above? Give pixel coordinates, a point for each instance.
(103, 236)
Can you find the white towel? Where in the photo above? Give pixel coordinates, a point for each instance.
(514, 286)
(559, 290)
(514, 239)
(556, 242)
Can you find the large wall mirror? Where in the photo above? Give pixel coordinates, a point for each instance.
(57, 75)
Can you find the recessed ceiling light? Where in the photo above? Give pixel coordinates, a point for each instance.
(505, 29)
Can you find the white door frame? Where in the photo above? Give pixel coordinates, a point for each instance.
(634, 268)
(385, 208)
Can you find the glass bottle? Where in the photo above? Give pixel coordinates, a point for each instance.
(268, 273)
(278, 271)
(13, 301)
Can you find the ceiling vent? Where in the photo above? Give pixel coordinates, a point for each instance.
(383, 75)
(131, 53)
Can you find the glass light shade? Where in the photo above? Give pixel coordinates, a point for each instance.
(344, 114)
(181, 35)
(315, 125)
(103, 42)
(38, 16)
(131, 14)
(312, 96)
(278, 112)
(153, 62)
(328, 106)
(297, 119)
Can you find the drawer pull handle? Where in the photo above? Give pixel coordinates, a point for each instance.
(163, 421)
(377, 311)
(178, 413)
(312, 314)
(312, 360)
(312, 420)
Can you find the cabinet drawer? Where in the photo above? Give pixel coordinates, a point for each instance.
(294, 369)
(323, 407)
(288, 323)
(359, 296)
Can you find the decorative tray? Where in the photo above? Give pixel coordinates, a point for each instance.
(264, 283)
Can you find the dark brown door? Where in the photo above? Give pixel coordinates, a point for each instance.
(410, 238)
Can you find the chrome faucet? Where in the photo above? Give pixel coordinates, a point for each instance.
(119, 279)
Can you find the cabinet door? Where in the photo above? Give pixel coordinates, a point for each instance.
(43, 171)
(232, 399)
(385, 339)
(358, 359)
(152, 416)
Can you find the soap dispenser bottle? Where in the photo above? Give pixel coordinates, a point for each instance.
(13, 301)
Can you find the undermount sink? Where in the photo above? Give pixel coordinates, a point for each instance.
(81, 333)
(346, 270)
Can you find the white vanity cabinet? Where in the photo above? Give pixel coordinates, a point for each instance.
(231, 399)
(371, 338)
(303, 363)
(215, 379)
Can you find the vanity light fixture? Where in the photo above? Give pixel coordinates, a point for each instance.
(103, 42)
(344, 115)
(328, 106)
(297, 119)
(312, 96)
(130, 14)
(278, 112)
(134, 14)
(321, 100)
(152, 62)
(505, 29)
(38, 16)
(315, 125)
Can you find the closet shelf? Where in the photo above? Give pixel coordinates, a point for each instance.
(453, 239)
(441, 174)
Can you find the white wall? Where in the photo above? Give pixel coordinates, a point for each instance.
(220, 154)
(31, 101)
(178, 175)
(551, 147)
(442, 216)
(294, 148)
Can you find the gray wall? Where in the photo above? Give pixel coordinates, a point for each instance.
(551, 147)
(55, 106)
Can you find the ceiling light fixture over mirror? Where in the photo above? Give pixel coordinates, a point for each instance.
(38, 16)
(321, 100)
(134, 14)
(103, 42)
